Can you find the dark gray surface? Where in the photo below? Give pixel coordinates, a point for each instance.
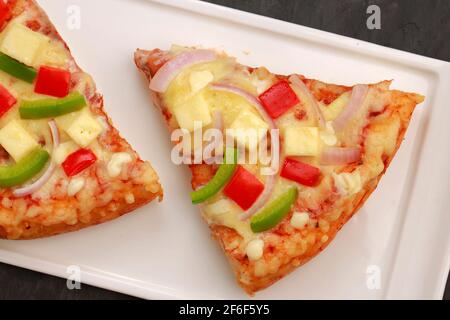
(418, 26)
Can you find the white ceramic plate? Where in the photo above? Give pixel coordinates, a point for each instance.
(164, 250)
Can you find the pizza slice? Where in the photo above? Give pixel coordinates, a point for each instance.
(63, 166)
(328, 146)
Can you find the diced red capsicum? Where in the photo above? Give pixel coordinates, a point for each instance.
(244, 188)
(278, 99)
(53, 82)
(78, 161)
(5, 13)
(7, 100)
(300, 172)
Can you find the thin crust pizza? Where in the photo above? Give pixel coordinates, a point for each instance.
(63, 166)
(334, 144)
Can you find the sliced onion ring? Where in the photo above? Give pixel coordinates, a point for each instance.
(357, 98)
(298, 83)
(35, 186)
(269, 184)
(55, 133)
(340, 156)
(172, 68)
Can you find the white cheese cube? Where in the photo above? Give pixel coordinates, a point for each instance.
(301, 141)
(348, 183)
(328, 136)
(118, 160)
(200, 79)
(55, 54)
(193, 110)
(16, 140)
(247, 126)
(75, 186)
(65, 121)
(255, 249)
(22, 43)
(84, 128)
(299, 220)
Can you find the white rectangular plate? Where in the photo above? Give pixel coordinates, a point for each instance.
(164, 250)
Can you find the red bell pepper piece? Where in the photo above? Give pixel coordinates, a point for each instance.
(78, 161)
(278, 99)
(300, 172)
(6, 100)
(53, 82)
(244, 188)
(5, 13)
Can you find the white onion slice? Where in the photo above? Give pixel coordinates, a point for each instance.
(298, 83)
(172, 68)
(340, 156)
(35, 186)
(269, 184)
(55, 133)
(357, 98)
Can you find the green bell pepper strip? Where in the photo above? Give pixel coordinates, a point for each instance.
(17, 69)
(24, 170)
(49, 107)
(222, 176)
(274, 212)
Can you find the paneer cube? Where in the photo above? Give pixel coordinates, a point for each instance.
(22, 43)
(246, 126)
(65, 121)
(55, 54)
(84, 128)
(301, 141)
(200, 79)
(193, 110)
(16, 140)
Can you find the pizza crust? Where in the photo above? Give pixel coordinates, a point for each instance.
(99, 215)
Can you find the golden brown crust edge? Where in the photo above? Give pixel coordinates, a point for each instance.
(97, 216)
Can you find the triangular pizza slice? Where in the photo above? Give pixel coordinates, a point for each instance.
(327, 145)
(63, 166)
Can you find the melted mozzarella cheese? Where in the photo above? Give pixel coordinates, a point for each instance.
(348, 183)
(117, 162)
(299, 220)
(221, 206)
(255, 249)
(75, 186)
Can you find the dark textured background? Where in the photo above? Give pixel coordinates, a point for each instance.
(417, 26)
